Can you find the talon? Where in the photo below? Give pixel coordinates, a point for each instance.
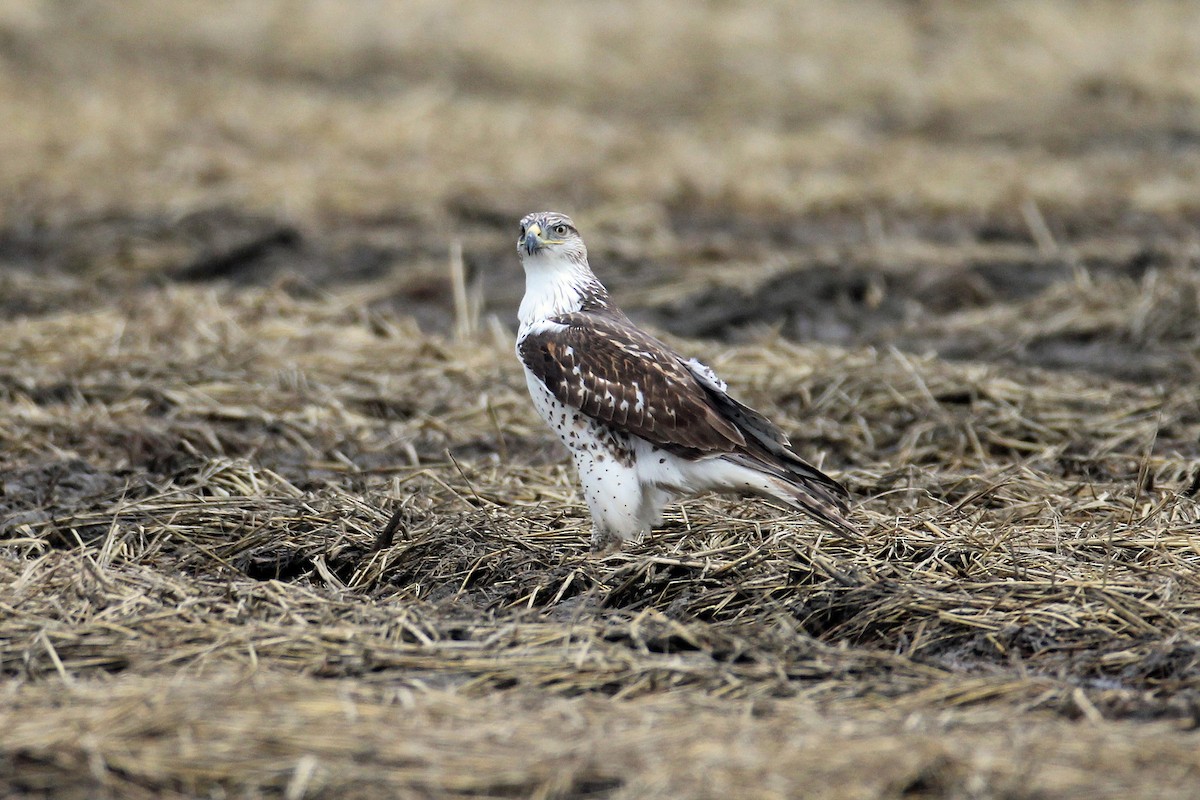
(605, 543)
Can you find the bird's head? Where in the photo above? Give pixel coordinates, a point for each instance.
(547, 237)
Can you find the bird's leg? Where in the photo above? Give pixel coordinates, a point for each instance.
(613, 496)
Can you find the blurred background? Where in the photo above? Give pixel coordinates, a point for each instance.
(835, 171)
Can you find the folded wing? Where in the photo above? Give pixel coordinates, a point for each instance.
(613, 372)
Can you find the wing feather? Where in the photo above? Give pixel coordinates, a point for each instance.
(763, 435)
(610, 370)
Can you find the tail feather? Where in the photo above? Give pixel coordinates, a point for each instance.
(824, 500)
(768, 451)
(764, 439)
(826, 510)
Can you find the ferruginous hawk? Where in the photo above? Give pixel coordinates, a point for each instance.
(645, 425)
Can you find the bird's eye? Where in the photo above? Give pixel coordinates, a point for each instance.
(522, 232)
(560, 230)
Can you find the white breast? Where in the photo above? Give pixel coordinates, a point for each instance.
(552, 287)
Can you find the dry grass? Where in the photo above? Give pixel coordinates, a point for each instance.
(226, 372)
(1029, 548)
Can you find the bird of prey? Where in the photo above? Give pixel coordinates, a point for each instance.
(644, 425)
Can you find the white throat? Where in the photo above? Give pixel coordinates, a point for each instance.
(553, 285)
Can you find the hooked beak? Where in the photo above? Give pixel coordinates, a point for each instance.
(533, 239)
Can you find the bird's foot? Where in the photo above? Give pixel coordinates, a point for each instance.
(605, 543)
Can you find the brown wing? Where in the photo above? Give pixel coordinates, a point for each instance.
(764, 438)
(608, 369)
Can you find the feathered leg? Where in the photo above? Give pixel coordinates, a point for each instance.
(614, 497)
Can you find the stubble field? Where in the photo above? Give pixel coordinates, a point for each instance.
(278, 518)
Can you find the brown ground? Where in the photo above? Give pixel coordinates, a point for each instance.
(951, 247)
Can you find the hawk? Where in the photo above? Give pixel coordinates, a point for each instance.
(644, 425)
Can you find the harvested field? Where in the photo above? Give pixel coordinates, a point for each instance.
(277, 518)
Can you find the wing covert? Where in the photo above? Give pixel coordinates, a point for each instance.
(615, 373)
